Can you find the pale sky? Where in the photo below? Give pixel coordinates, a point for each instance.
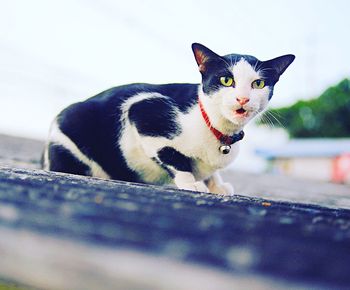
(54, 53)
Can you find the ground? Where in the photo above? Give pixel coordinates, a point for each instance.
(61, 231)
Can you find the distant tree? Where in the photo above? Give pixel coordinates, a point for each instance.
(326, 116)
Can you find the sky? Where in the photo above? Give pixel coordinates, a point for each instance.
(54, 53)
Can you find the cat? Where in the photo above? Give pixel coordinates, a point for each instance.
(179, 134)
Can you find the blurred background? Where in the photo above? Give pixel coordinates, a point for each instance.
(54, 53)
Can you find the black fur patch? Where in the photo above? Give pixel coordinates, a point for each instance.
(61, 160)
(94, 127)
(172, 157)
(182, 96)
(155, 117)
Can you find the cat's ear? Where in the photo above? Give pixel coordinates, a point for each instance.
(203, 55)
(280, 63)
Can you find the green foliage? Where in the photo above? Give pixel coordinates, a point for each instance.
(11, 287)
(326, 116)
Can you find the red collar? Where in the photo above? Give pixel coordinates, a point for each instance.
(224, 139)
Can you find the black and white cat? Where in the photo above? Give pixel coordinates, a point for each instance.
(178, 134)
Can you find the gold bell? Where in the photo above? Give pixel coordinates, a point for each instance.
(225, 149)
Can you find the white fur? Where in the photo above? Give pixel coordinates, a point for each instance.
(135, 148)
(58, 137)
(186, 180)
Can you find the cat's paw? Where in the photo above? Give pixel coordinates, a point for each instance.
(185, 180)
(223, 188)
(195, 186)
(199, 186)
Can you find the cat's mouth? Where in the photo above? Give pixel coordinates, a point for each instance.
(241, 112)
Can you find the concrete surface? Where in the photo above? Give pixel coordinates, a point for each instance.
(63, 232)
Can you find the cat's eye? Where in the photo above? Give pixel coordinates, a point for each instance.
(227, 81)
(258, 84)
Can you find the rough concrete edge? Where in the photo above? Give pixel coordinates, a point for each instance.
(49, 263)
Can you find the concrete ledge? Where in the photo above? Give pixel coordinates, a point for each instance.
(64, 232)
(60, 231)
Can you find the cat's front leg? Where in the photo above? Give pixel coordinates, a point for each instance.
(179, 167)
(216, 185)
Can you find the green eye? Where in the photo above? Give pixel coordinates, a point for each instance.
(258, 84)
(226, 81)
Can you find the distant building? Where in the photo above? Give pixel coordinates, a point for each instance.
(318, 159)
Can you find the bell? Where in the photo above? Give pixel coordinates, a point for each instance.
(225, 149)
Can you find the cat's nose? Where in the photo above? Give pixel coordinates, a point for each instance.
(242, 101)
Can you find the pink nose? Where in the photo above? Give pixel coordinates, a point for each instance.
(242, 101)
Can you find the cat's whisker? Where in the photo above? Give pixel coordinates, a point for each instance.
(271, 120)
(267, 121)
(271, 114)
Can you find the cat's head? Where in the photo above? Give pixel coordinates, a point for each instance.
(235, 88)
